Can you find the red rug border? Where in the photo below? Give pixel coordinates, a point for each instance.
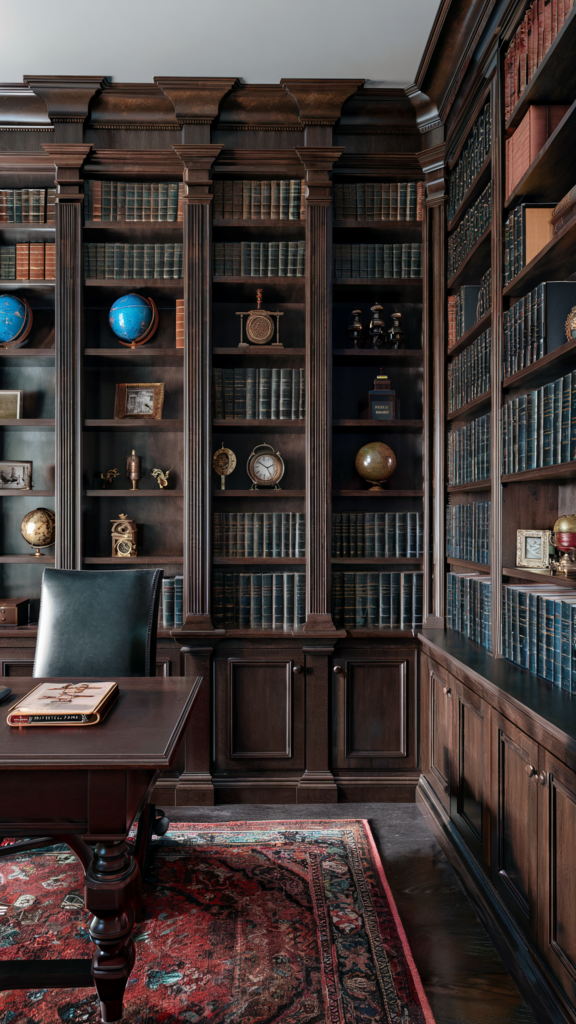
(377, 861)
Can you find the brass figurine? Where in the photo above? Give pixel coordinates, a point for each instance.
(124, 533)
(160, 477)
(223, 463)
(133, 469)
(259, 328)
(377, 327)
(108, 477)
(396, 332)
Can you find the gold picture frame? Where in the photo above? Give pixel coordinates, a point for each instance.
(532, 549)
(139, 401)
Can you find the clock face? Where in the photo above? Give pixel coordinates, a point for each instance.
(124, 547)
(265, 468)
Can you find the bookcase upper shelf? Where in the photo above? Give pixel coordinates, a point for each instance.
(477, 186)
(261, 426)
(561, 470)
(475, 264)
(553, 80)
(553, 365)
(553, 263)
(471, 407)
(539, 576)
(553, 172)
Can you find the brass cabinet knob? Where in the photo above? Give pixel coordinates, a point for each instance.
(543, 778)
(297, 670)
(530, 770)
(338, 670)
(447, 691)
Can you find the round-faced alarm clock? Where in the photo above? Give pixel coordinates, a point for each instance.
(265, 468)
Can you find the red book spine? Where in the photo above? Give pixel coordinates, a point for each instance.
(37, 261)
(179, 323)
(22, 261)
(50, 261)
(420, 200)
(180, 211)
(452, 304)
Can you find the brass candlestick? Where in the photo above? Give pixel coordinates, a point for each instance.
(133, 469)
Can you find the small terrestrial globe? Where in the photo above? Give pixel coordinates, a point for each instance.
(38, 528)
(15, 320)
(375, 462)
(133, 318)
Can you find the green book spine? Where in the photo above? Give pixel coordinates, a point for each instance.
(228, 385)
(278, 600)
(246, 201)
(411, 530)
(302, 409)
(256, 204)
(401, 535)
(251, 392)
(285, 535)
(338, 599)
(267, 611)
(380, 534)
(391, 536)
(245, 602)
(548, 424)
(300, 535)
(241, 534)
(288, 600)
(258, 534)
(557, 422)
(299, 599)
(359, 535)
(249, 534)
(384, 599)
(256, 601)
(275, 394)
(361, 599)
(565, 425)
(369, 538)
(373, 611)
(264, 405)
(349, 600)
(233, 535)
(239, 393)
(395, 600)
(406, 597)
(276, 534)
(292, 535)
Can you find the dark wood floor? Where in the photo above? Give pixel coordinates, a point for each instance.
(464, 978)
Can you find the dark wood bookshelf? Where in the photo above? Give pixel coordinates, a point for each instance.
(392, 426)
(139, 559)
(471, 407)
(371, 357)
(294, 355)
(40, 424)
(552, 80)
(173, 286)
(395, 228)
(32, 493)
(141, 356)
(133, 423)
(269, 227)
(472, 566)
(148, 228)
(553, 172)
(241, 560)
(261, 426)
(386, 493)
(556, 472)
(267, 493)
(550, 264)
(112, 492)
(553, 365)
(471, 334)
(474, 264)
(26, 560)
(475, 485)
(539, 576)
(13, 356)
(476, 188)
(377, 561)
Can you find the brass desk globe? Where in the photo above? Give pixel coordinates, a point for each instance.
(375, 462)
(38, 529)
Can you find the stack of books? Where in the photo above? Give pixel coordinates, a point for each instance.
(539, 428)
(35, 261)
(259, 534)
(268, 600)
(469, 452)
(27, 205)
(468, 531)
(133, 200)
(259, 200)
(471, 160)
(378, 260)
(469, 230)
(469, 372)
(390, 600)
(259, 394)
(527, 230)
(379, 200)
(377, 535)
(530, 44)
(116, 260)
(170, 611)
(469, 606)
(259, 259)
(539, 632)
(535, 324)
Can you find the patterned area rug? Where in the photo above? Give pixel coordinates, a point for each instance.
(290, 922)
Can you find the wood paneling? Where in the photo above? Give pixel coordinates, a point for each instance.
(556, 874)
(440, 706)
(471, 769)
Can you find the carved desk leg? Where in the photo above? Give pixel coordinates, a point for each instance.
(112, 893)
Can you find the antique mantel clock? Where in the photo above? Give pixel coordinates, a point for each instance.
(259, 326)
(124, 532)
(265, 469)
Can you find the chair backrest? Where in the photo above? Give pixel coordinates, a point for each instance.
(98, 623)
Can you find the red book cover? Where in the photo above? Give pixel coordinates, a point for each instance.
(37, 261)
(529, 44)
(554, 6)
(521, 58)
(179, 323)
(420, 200)
(452, 305)
(22, 261)
(540, 31)
(180, 210)
(547, 26)
(49, 261)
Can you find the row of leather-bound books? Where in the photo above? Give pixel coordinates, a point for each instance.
(259, 394)
(117, 260)
(259, 259)
(469, 452)
(539, 428)
(27, 205)
(379, 200)
(468, 531)
(469, 606)
(391, 600)
(28, 261)
(469, 230)
(281, 199)
(471, 160)
(539, 632)
(377, 534)
(133, 200)
(469, 372)
(259, 534)
(258, 600)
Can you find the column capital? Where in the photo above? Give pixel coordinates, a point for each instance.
(198, 161)
(196, 100)
(67, 97)
(433, 163)
(68, 158)
(320, 100)
(318, 163)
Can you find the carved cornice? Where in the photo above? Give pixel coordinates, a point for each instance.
(433, 163)
(196, 100)
(379, 163)
(68, 159)
(67, 97)
(427, 116)
(198, 162)
(259, 161)
(318, 162)
(320, 100)
(134, 162)
(24, 162)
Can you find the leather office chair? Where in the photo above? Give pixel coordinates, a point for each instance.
(98, 624)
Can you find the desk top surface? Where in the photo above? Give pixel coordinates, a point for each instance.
(142, 729)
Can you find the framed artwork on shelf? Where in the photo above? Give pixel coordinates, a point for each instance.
(532, 549)
(15, 476)
(140, 401)
(11, 405)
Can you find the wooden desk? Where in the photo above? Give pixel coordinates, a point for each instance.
(85, 786)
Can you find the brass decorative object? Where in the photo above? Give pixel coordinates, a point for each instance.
(108, 477)
(134, 469)
(223, 463)
(38, 529)
(377, 327)
(564, 539)
(570, 326)
(396, 332)
(356, 331)
(532, 549)
(124, 533)
(375, 462)
(161, 478)
(265, 469)
(259, 327)
(139, 401)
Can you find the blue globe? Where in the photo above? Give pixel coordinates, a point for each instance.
(131, 317)
(14, 318)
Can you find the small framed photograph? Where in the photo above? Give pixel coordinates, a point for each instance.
(15, 476)
(11, 405)
(140, 401)
(532, 549)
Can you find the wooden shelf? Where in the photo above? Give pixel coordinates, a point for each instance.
(111, 492)
(559, 471)
(472, 566)
(291, 226)
(148, 227)
(391, 426)
(27, 560)
(409, 285)
(476, 188)
(141, 356)
(258, 494)
(540, 576)
(555, 262)
(367, 631)
(476, 485)
(471, 334)
(552, 81)
(293, 355)
(134, 423)
(390, 227)
(141, 559)
(41, 424)
(371, 357)
(27, 283)
(15, 355)
(475, 263)
(261, 426)
(110, 286)
(553, 172)
(550, 367)
(470, 407)
(33, 493)
(20, 228)
(377, 561)
(241, 560)
(378, 494)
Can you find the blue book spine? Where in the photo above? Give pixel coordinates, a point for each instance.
(168, 603)
(384, 599)
(267, 611)
(557, 677)
(533, 632)
(178, 600)
(300, 598)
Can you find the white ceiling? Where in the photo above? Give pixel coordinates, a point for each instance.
(259, 41)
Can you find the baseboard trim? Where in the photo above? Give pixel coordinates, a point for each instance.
(530, 975)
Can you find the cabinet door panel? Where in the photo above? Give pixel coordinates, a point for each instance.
(376, 711)
(259, 709)
(469, 805)
(515, 837)
(436, 734)
(557, 871)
